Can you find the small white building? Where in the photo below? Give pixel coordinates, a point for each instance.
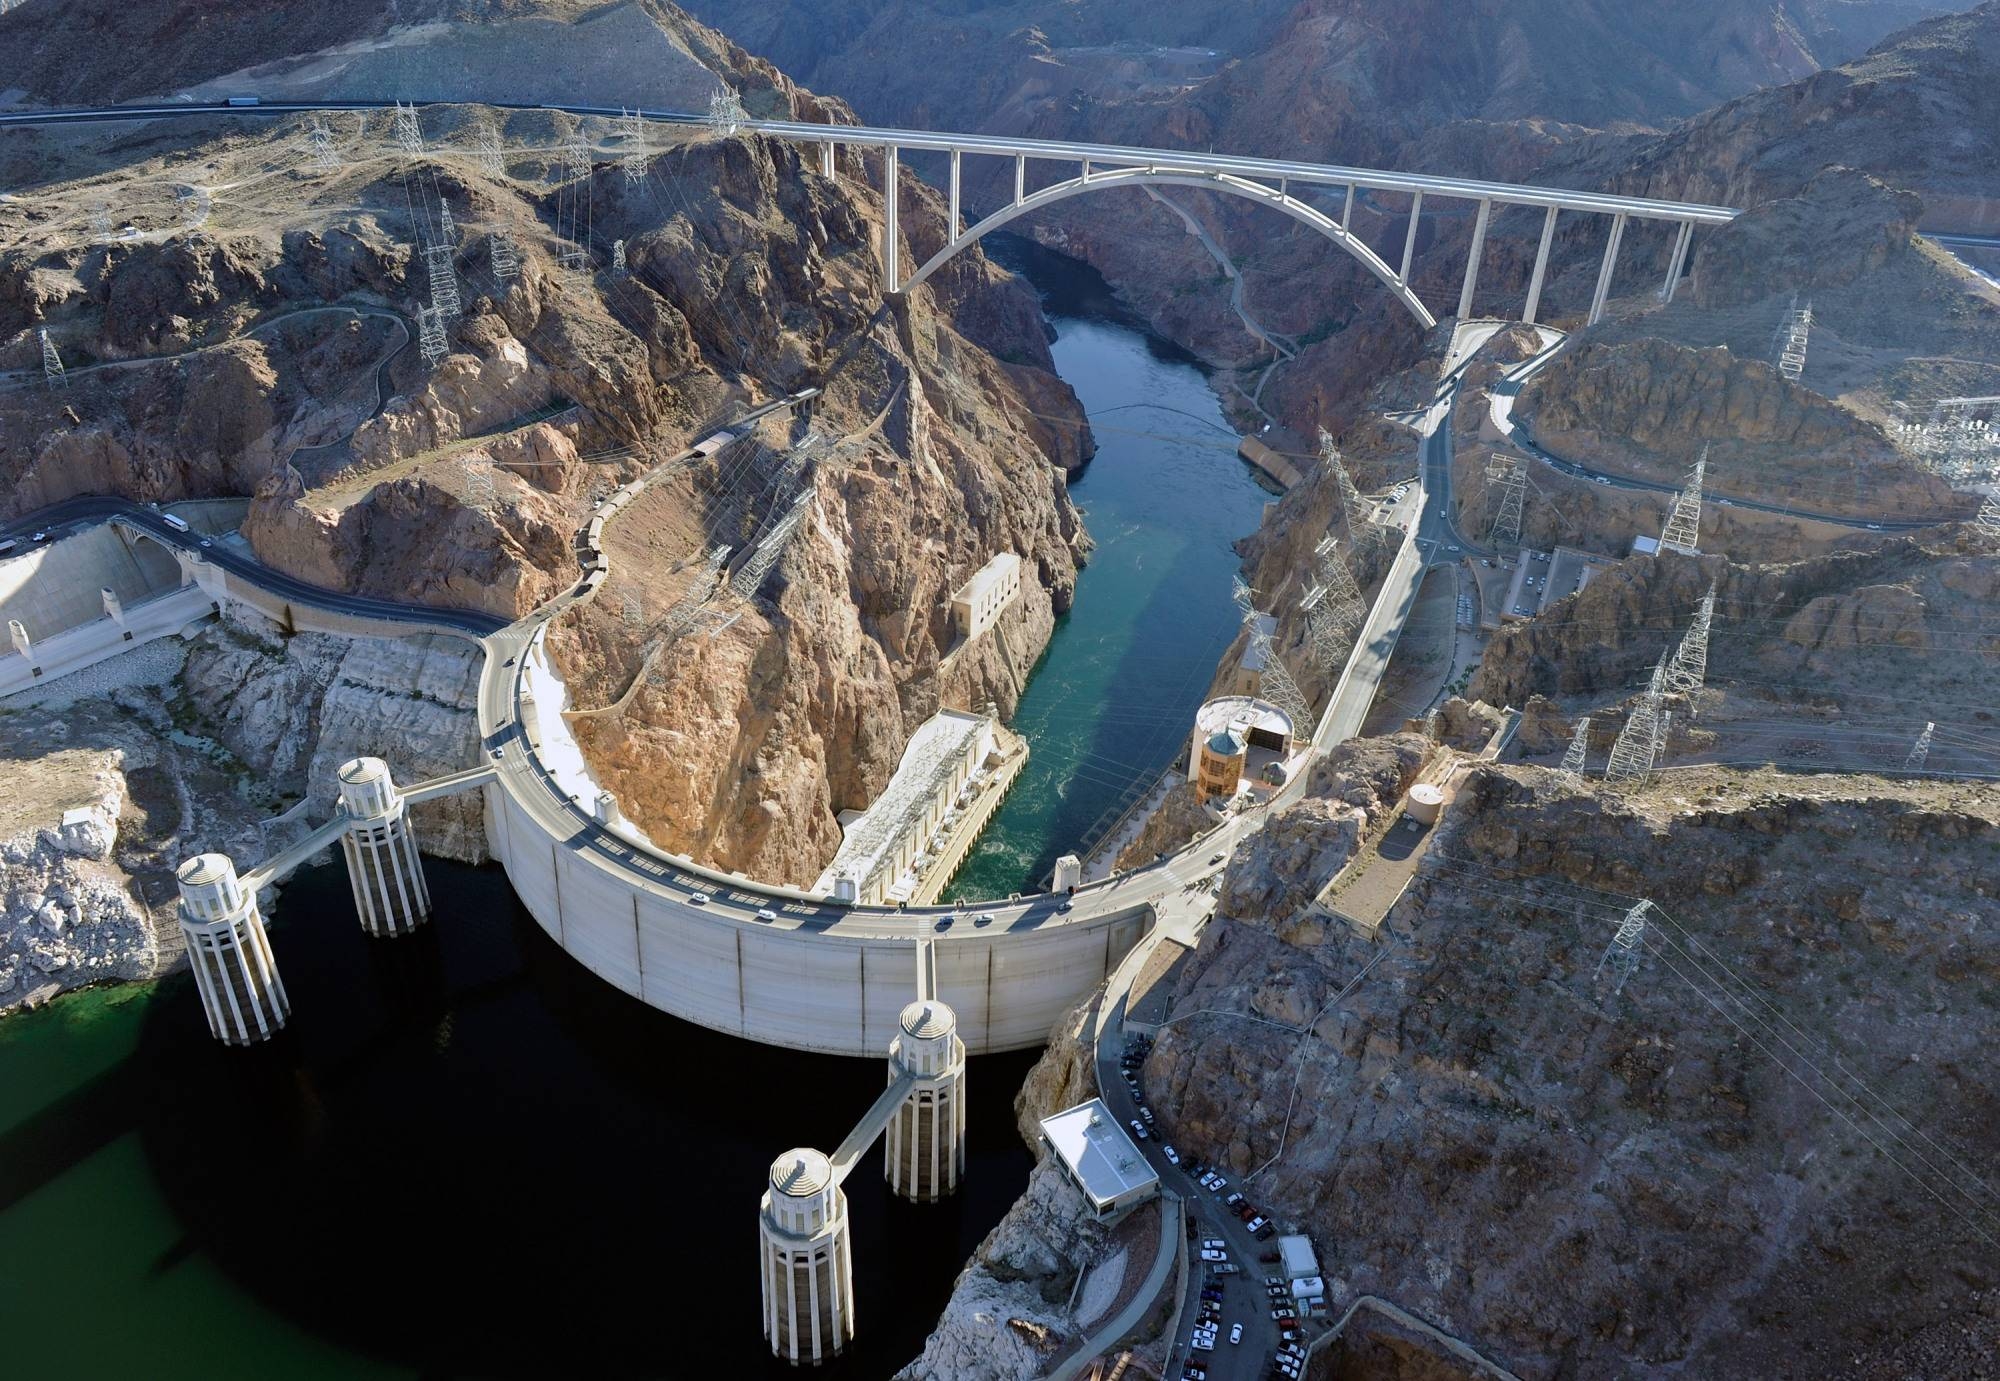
(1301, 1262)
(1101, 1159)
(1643, 545)
(980, 601)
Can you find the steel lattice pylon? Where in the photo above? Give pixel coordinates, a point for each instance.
(1333, 607)
(500, 253)
(430, 335)
(409, 133)
(1920, 751)
(1683, 529)
(1579, 748)
(725, 112)
(637, 157)
(1689, 669)
(1638, 745)
(1623, 950)
(443, 280)
(1354, 508)
(1989, 515)
(1510, 473)
(492, 158)
(1274, 682)
(52, 365)
(319, 142)
(1792, 341)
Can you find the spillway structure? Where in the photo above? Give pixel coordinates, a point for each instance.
(229, 952)
(390, 895)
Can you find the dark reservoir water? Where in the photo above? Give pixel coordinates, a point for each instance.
(1113, 699)
(466, 1157)
(470, 1158)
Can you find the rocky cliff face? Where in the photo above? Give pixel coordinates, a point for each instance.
(1650, 407)
(1482, 1102)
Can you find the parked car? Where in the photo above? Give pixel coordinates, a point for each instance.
(1236, 1333)
(1258, 1222)
(1233, 1200)
(1167, 1150)
(1210, 1254)
(1139, 1130)
(698, 899)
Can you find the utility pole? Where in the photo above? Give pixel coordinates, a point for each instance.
(1579, 747)
(1510, 473)
(1683, 530)
(52, 365)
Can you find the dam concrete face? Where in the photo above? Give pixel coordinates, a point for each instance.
(819, 977)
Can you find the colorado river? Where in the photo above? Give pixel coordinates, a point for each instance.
(1113, 699)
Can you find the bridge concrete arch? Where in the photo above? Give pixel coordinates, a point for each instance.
(1203, 181)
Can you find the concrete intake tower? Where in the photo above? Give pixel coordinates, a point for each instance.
(808, 1265)
(229, 953)
(925, 1152)
(389, 891)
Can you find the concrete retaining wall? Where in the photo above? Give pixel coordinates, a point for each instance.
(835, 990)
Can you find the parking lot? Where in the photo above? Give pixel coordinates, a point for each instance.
(1229, 1329)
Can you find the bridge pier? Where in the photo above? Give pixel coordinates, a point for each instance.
(924, 1154)
(1677, 261)
(1410, 235)
(1606, 269)
(889, 233)
(1541, 265)
(807, 1270)
(234, 970)
(1472, 261)
(390, 895)
(826, 160)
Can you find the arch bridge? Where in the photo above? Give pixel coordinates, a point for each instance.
(1275, 183)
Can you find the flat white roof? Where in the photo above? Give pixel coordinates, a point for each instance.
(1006, 563)
(1296, 1251)
(933, 754)
(1242, 712)
(1098, 1153)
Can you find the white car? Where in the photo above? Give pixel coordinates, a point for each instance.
(698, 899)
(1173, 1156)
(1139, 1130)
(1210, 1254)
(1236, 1333)
(1217, 1183)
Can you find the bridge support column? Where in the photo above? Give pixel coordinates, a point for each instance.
(1472, 260)
(389, 891)
(807, 1266)
(1541, 265)
(924, 1153)
(1677, 261)
(1347, 212)
(826, 160)
(1606, 269)
(229, 953)
(1410, 236)
(889, 233)
(1020, 178)
(952, 234)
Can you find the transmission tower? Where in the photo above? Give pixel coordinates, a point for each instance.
(1638, 744)
(1920, 751)
(52, 365)
(1511, 475)
(319, 142)
(618, 256)
(409, 133)
(1579, 748)
(443, 281)
(447, 228)
(1360, 531)
(637, 157)
(479, 484)
(430, 335)
(506, 264)
(100, 221)
(726, 115)
(492, 158)
(1275, 684)
(1683, 530)
(1623, 950)
(1333, 607)
(1989, 515)
(1689, 668)
(1792, 341)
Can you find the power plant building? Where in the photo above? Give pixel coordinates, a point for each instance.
(979, 602)
(906, 847)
